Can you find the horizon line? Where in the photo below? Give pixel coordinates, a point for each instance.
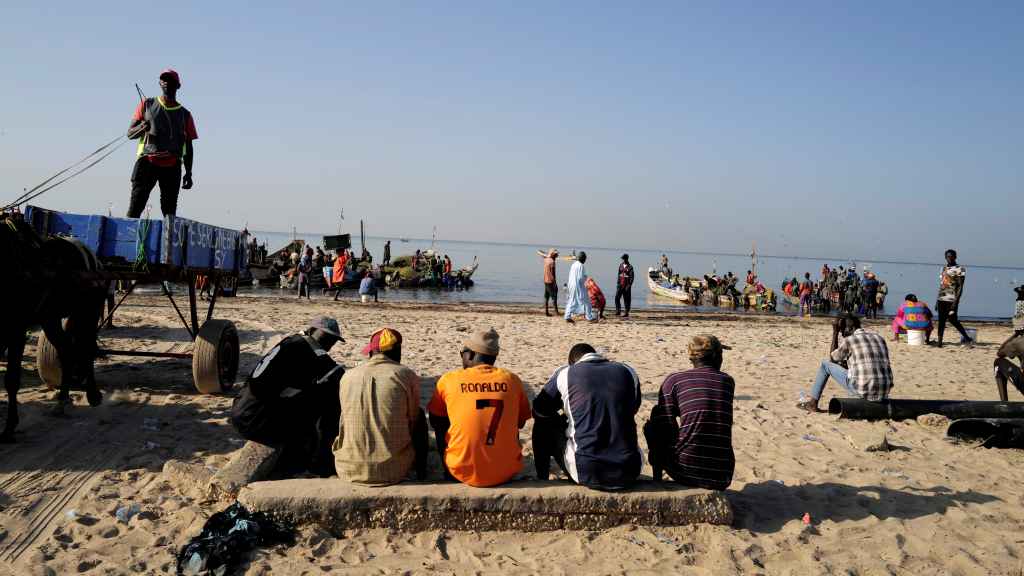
(639, 249)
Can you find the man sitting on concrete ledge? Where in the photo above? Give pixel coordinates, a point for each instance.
(594, 438)
(383, 430)
(697, 450)
(476, 414)
(291, 399)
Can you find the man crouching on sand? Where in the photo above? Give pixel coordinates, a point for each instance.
(866, 374)
(1005, 369)
(291, 399)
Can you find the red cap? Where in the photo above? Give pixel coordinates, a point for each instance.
(170, 72)
(383, 340)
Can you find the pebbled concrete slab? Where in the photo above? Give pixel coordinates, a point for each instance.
(527, 506)
(250, 463)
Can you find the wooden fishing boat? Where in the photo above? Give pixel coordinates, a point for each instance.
(687, 290)
(269, 271)
(661, 289)
(402, 274)
(791, 299)
(762, 301)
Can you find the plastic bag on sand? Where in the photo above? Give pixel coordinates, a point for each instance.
(226, 539)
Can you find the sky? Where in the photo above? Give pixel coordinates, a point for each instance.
(868, 130)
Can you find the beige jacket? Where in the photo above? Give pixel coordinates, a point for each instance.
(379, 404)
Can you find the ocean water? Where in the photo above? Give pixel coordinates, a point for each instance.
(513, 273)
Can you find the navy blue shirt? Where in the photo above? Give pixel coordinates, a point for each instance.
(600, 398)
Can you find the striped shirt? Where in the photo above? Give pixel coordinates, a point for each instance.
(867, 356)
(702, 399)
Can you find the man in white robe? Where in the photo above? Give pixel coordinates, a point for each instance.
(577, 299)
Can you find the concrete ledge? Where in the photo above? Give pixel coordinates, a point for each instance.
(192, 480)
(526, 506)
(250, 463)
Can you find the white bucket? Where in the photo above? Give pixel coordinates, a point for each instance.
(364, 298)
(915, 337)
(972, 333)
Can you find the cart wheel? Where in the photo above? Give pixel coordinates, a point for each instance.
(47, 362)
(215, 356)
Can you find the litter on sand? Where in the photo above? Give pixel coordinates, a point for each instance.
(227, 537)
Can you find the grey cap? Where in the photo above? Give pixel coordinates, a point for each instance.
(483, 342)
(327, 325)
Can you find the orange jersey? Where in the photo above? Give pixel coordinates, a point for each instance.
(486, 406)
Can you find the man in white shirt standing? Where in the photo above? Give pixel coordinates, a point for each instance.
(951, 287)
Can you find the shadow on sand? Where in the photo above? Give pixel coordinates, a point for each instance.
(151, 412)
(766, 507)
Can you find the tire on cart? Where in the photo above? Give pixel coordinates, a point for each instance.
(215, 357)
(47, 362)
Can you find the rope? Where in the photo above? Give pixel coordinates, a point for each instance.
(142, 232)
(90, 155)
(43, 186)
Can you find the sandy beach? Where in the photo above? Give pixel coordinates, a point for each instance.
(930, 507)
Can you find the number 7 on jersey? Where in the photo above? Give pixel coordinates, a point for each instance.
(499, 408)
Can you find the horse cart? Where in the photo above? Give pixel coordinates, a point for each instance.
(173, 250)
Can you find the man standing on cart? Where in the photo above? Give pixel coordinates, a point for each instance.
(165, 131)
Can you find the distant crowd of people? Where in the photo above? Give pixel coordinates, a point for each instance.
(435, 270)
(839, 288)
(852, 293)
(307, 266)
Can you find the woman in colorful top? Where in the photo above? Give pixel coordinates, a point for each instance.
(912, 315)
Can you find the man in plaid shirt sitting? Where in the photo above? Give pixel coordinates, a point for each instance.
(860, 364)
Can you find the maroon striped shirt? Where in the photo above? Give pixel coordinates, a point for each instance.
(702, 399)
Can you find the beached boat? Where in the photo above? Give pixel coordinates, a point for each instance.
(687, 290)
(791, 299)
(402, 274)
(695, 291)
(659, 286)
(268, 272)
(752, 298)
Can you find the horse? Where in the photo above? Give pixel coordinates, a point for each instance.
(51, 283)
